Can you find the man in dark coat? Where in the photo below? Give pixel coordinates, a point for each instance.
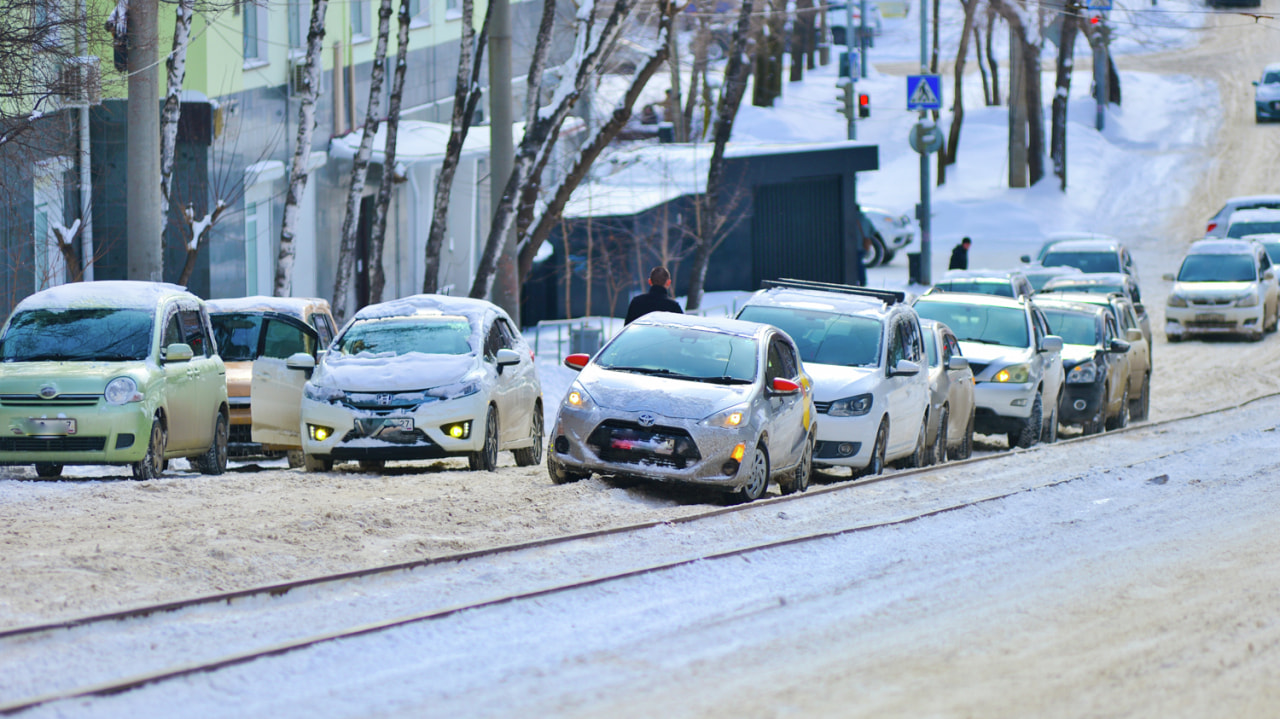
(960, 256)
(657, 299)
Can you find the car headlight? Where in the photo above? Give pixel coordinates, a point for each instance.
(905, 220)
(1084, 373)
(577, 398)
(1177, 301)
(322, 393)
(729, 418)
(851, 406)
(122, 390)
(1249, 300)
(465, 388)
(1016, 374)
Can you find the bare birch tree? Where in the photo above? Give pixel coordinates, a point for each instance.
(1024, 25)
(962, 55)
(378, 237)
(299, 169)
(176, 72)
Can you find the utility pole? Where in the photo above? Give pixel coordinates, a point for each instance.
(849, 73)
(862, 38)
(506, 285)
(926, 238)
(143, 223)
(1101, 73)
(86, 177)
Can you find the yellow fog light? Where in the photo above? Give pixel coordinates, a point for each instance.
(739, 451)
(319, 433)
(458, 430)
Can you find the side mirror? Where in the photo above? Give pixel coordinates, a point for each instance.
(1133, 334)
(1168, 277)
(1026, 259)
(577, 361)
(905, 368)
(784, 386)
(957, 362)
(1139, 308)
(508, 357)
(1120, 346)
(301, 361)
(1269, 274)
(1051, 343)
(177, 352)
(1255, 83)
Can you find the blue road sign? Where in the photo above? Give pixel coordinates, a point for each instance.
(924, 92)
(1098, 5)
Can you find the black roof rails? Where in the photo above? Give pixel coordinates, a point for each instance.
(888, 297)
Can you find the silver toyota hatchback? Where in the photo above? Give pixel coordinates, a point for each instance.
(716, 402)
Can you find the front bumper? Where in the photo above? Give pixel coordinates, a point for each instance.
(1002, 407)
(1212, 319)
(367, 434)
(104, 434)
(1267, 109)
(1080, 402)
(669, 449)
(845, 441)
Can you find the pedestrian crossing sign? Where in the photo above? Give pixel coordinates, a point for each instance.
(924, 92)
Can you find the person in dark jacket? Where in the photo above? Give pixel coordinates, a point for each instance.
(657, 299)
(960, 256)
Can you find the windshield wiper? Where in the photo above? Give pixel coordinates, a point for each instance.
(721, 380)
(649, 371)
(985, 342)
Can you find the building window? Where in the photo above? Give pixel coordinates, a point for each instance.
(255, 33)
(360, 12)
(452, 10)
(420, 12)
(299, 22)
(257, 245)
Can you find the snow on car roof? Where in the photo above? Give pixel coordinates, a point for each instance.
(819, 300)
(470, 308)
(980, 274)
(1256, 214)
(1089, 278)
(125, 294)
(1222, 246)
(1264, 237)
(1069, 302)
(725, 325)
(1247, 199)
(1096, 244)
(972, 299)
(294, 306)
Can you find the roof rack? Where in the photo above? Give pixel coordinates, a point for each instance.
(888, 297)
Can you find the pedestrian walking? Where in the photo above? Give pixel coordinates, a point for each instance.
(960, 255)
(657, 299)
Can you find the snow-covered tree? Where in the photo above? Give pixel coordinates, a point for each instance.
(378, 279)
(176, 72)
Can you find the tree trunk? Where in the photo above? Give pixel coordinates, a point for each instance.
(465, 98)
(992, 63)
(342, 304)
(982, 65)
(378, 237)
(673, 112)
(176, 66)
(1017, 112)
(298, 169)
(1034, 108)
(957, 105)
(801, 39)
(1058, 134)
(701, 46)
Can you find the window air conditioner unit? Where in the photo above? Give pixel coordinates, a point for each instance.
(298, 76)
(80, 82)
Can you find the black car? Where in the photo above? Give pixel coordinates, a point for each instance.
(1095, 363)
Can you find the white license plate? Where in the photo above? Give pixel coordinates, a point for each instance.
(40, 425)
(1210, 317)
(403, 424)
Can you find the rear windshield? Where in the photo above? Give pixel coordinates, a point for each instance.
(1005, 326)
(1000, 288)
(1097, 288)
(1217, 268)
(682, 353)
(1075, 328)
(824, 337)
(1240, 229)
(106, 335)
(237, 335)
(403, 335)
(1086, 261)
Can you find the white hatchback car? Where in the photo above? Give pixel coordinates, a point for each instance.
(864, 351)
(1223, 286)
(422, 377)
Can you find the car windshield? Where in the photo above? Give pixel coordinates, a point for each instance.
(682, 353)
(1075, 328)
(1217, 268)
(1005, 326)
(1271, 78)
(1240, 229)
(403, 335)
(237, 335)
(1000, 288)
(824, 337)
(1086, 261)
(1273, 251)
(105, 335)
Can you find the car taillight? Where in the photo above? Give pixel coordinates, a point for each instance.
(1210, 227)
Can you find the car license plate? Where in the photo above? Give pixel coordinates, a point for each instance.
(402, 424)
(40, 425)
(1210, 317)
(664, 446)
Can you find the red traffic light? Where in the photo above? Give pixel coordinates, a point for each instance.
(864, 105)
(1095, 20)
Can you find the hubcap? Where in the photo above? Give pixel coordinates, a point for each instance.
(759, 474)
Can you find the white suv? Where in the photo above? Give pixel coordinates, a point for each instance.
(1223, 286)
(1016, 362)
(864, 351)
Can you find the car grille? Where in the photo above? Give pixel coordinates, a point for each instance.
(374, 429)
(1211, 302)
(52, 444)
(822, 407)
(629, 443)
(65, 400)
(1211, 325)
(381, 401)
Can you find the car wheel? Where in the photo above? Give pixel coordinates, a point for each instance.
(1141, 406)
(889, 254)
(214, 460)
(965, 450)
(1121, 420)
(1095, 424)
(315, 463)
(531, 455)
(874, 257)
(801, 475)
(939, 450)
(560, 475)
(487, 457)
(372, 465)
(1030, 431)
(878, 450)
(757, 479)
(1173, 339)
(919, 455)
(1049, 434)
(48, 470)
(152, 464)
(296, 458)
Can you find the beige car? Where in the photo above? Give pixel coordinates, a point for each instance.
(112, 373)
(1130, 330)
(255, 336)
(951, 405)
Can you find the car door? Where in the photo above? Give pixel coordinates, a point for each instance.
(1051, 362)
(524, 378)
(1118, 365)
(275, 391)
(1269, 285)
(506, 386)
(208, 375)
(178, 382)
(959, 387)
(786, 421)
(1140, 352)
(899, 395)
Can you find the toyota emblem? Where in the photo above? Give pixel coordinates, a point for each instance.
(48, 391)
(646, 420)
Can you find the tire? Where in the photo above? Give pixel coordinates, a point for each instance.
(1049, 433)
(1096, 423)
(1121, 420)
(315, 463)
(560, 475)
(152, 464)
(1030, 432)
(801, 475)
(372, 465)
(487, 457)
(875, 256)
(48, 470)
(965, 450)
(876, 465)
(920, 455)
(214, 460)
(939, 449)
(757, 480)
(888, 256)
(1173, 339)
(296, 458)
(1140, 408)
(529, 456)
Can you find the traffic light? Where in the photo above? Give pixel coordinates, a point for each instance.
(845, 98)
(864, 105)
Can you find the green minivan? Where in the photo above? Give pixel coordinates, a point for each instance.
(114, 372)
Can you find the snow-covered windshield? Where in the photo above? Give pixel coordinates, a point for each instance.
(1005, 326)
(682, 353)
(1000, 288)
(824, 337)
(1240, 229)
(1075, 328)
(105, 335)
(402, 335)
(1217, 268)
(237, 335)
(1086, 261)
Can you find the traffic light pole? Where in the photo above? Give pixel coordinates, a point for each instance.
(923, 212)
(850, 111)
